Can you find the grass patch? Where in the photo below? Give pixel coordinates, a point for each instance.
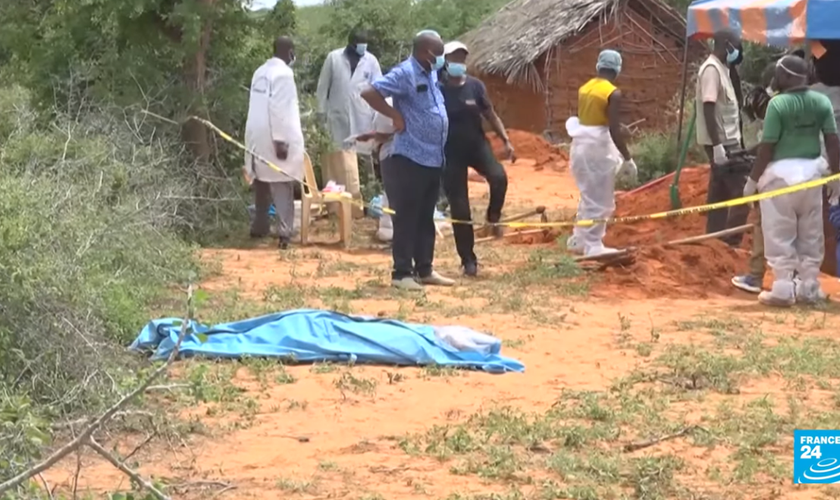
(688, 394)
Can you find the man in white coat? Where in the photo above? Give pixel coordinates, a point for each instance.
(274, 133)
(346, 72)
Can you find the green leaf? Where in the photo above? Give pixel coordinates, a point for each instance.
(202, 337)
(200, 297)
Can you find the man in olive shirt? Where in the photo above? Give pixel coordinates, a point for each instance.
(790, 154)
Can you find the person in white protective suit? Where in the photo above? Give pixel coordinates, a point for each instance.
(273, 132)
(382, 137)
(598, 154)
(346, 72)
(789, 154)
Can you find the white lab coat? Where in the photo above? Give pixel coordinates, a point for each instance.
(339, 96)
(274, 115)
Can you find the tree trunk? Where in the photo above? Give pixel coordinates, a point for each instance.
(194, 134)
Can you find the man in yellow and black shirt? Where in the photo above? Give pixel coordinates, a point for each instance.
(598, 153)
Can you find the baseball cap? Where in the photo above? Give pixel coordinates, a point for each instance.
(454, 46)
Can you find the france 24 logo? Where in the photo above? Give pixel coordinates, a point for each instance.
(816, 457)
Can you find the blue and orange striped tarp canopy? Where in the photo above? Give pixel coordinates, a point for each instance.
(779, 23)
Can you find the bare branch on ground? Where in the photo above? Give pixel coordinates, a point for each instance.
(85, 437)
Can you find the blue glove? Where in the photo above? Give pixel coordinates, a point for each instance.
(375, 207)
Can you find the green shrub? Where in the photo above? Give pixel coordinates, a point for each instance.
(657, 153)
(89, 237)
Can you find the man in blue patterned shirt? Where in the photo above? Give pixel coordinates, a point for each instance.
(413, 171)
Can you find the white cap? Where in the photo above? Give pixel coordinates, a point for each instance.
(454, 46)
(427, 32)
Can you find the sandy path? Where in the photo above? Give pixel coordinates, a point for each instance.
(356, 439)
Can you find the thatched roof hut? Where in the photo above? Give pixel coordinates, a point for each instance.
(541, 51)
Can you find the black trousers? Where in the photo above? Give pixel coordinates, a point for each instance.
(459, 157)
(412, 191)
(726, 184)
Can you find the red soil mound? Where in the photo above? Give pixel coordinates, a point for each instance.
(696, 270)
(533, 147)
(692, 187)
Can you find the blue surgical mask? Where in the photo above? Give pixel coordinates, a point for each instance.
(440, 61)
(456, 69)
(732, 55)
(361, 48)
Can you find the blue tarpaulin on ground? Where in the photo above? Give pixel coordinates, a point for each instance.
(322, 336)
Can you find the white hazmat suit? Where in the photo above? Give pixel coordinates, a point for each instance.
(274, 116)
(594, 163)
(346, 113)
(794, 242)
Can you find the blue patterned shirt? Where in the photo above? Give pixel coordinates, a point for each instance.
(417, 97)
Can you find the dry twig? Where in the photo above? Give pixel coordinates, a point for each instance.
(85, 437)
(629, 447)
(224, 490)
(46, 486)
(81, 421)
(137, 478)
(140, 446)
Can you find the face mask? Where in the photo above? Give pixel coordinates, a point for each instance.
(732, 55)
(456, 69)
(361, 48)
(292, 60)
(438, 63)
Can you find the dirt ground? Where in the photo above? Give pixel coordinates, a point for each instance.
(663, 349)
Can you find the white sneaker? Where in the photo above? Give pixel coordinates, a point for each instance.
(598, 251)
(574, 245)
(437, 280)
(768, 299)
(810, 293)
(408, 284)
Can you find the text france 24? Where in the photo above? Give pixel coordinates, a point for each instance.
(816, 457)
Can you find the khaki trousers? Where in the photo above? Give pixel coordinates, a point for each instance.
(758, 265)
(342, 167)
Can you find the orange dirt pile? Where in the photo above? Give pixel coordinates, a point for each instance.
(697, 270)
(532, 147)
(693, 186)
(528, 238)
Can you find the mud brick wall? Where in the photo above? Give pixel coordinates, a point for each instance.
(650, 79)
(519, 107)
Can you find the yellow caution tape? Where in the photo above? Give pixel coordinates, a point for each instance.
(585, 223)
